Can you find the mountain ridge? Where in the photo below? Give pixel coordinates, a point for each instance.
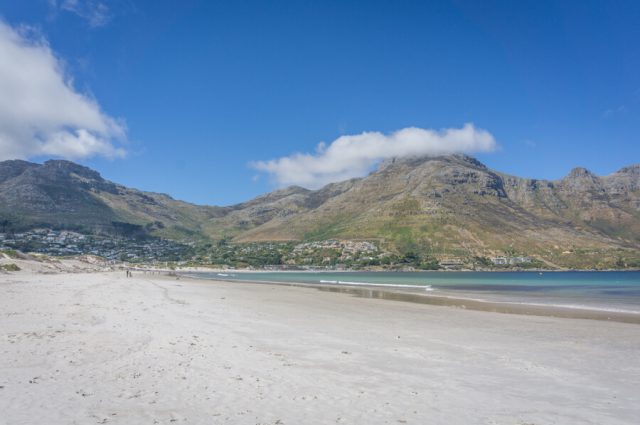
(444, 205)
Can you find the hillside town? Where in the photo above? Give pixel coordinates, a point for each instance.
(332, 254)
(67, 243)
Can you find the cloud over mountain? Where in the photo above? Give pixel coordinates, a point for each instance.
(354, 155)
(41, 114)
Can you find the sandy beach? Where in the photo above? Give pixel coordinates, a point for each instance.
(81, 348)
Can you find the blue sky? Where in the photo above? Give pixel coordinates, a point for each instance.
(202, 89)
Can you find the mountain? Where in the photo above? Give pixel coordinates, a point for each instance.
(65, 195)
(456, 206)
(446, 206)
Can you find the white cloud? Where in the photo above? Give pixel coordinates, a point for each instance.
(40, 111)
(353, 156)
(94, 12)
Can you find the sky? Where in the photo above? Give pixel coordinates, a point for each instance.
(215, 102)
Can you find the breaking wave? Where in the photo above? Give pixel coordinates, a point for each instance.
(386, 285)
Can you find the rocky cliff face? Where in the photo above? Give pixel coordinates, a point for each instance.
(606, 205)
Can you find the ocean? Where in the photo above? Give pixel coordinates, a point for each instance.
(610, 291)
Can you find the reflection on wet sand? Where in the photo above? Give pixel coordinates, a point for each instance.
(496, 307)
(420, 297)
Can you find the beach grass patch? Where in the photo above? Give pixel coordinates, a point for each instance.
(11, 267)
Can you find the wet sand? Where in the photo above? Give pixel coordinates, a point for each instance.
(420, 297)
(102, 348)
(495, 307)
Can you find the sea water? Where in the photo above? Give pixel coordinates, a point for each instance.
(606, 291)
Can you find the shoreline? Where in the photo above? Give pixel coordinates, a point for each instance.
(365, 270)
(502, 307)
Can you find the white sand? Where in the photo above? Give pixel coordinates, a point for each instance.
(100, 348)
(43, 264)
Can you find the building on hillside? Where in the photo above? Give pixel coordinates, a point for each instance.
(451, 263)
(510, 261)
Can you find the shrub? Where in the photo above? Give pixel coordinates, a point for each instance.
(11, 253)
(10, 267)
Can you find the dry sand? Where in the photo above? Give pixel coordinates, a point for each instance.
(102, 348)
(43, 264)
